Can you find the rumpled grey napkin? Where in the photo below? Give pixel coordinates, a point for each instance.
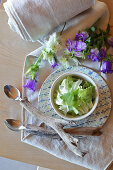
(100, 149)
(34, 19)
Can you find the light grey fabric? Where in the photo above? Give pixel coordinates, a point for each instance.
(34, 19)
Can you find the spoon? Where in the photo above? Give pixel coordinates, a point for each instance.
(13, 93)
(17, 125)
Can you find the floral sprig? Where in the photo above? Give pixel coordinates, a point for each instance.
(48, 53)
(92, 43)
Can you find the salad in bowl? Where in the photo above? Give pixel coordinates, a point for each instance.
(74, 96)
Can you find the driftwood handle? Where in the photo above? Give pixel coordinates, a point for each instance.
(41, 131)
(57, 125)
(92, 131)
(83, 131)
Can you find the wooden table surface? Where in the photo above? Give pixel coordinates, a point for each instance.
(12, 54)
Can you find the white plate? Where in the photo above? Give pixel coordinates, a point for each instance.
(98, 117)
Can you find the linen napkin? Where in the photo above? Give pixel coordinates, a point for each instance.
(34, 19)
(100, 149)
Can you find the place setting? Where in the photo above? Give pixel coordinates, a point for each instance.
(66, 95)
(74, 102)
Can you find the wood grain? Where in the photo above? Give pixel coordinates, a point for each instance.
(12, 55)
(110, 7)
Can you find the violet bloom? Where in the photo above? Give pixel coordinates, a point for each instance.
(106, 67)
(78, 54)
(53, 63)
(31, 84)
(102, 53)
(70, 45)
(76, 45)
(80, 46)
(110, 41)
(81, 36)
(94, 54)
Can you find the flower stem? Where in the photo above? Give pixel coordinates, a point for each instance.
(63, 28)
(100, 63)
(38, 59)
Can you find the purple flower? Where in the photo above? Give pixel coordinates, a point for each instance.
(102, 53)
(31, 84)
(78, 54)
(106, 67)
(75, 45)
(94, 54)
(110, 41)
(53, 63)
(81, 36)
(70, 45)
(80, 46)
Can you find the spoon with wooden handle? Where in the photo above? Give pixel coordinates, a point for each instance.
(17, 125)
(13, 93)
(56, 124)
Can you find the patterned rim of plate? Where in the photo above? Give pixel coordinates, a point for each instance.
(98, 117)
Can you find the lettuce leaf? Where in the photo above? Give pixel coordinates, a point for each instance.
(86, 84)
(75, 96)
(70, 97)
(87, 94)
(66, 85)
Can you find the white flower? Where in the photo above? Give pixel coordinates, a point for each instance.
(47, 55)
(53, 44)
(64, 61)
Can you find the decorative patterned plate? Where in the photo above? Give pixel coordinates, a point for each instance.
(103, 109)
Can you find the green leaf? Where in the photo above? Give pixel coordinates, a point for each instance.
(87, 94)
(86, 84)
(93, 29)
(74, 109)
(70, 98)
(108, 29)
(32, 75)
(88, 40)
(66, 85)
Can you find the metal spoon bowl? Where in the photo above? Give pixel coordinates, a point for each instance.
(14, 125)
(12, 92)
(17, 125)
